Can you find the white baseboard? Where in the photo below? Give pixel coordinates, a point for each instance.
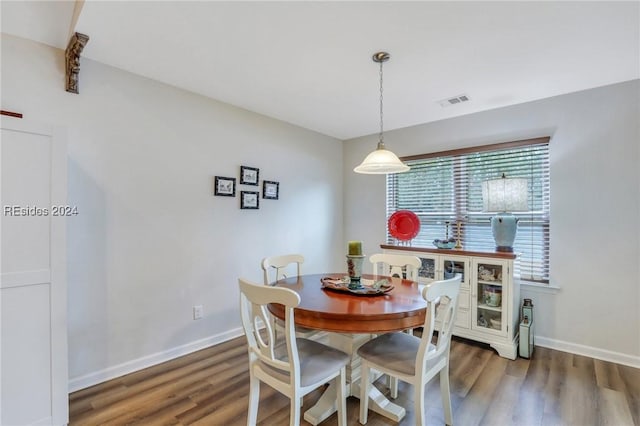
(597, 353)
(48, 421)
(109, 373)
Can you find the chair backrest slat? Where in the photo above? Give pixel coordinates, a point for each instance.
(274, 267)
(396, 264)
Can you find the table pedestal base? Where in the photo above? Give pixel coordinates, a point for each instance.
(326, 405)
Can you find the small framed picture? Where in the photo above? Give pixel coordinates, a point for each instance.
(225, 186)
(270, 190)
(249, 175)
(249, 200)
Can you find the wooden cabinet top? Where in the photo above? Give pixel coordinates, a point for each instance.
(437, 251)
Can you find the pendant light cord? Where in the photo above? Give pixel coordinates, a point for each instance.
(381, 137)
(381, 161)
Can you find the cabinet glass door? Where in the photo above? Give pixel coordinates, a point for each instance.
(427, 272)
(450, 266)
(489, 312)
(453, 267)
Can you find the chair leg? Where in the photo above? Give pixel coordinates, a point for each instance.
(342, 400)
(254, 398)
(393, 386)
(365, 382)
(419, 404)
(446, 396)
(294, 415)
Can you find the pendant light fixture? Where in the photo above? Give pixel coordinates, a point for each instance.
(381, 161)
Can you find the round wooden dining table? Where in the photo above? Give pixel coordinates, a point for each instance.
(324, 309)
(353, 319)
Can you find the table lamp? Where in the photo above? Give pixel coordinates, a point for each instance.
(503, 196)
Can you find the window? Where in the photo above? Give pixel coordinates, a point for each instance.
(445, 191)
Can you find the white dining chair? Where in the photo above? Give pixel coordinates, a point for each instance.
(416, 360)
(398, 265)
(401, 266)
(275, 268)
(293, 368)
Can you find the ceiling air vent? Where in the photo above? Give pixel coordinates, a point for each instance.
(454, 101)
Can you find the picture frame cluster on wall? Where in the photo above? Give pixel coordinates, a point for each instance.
(249, 200)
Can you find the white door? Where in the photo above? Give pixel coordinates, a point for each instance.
(33, 332)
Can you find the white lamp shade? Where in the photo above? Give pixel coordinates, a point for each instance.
(381, 161)
(504, 195)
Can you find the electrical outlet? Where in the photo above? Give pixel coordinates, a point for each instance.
(197, 312)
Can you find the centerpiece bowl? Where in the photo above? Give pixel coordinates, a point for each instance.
(445, 244)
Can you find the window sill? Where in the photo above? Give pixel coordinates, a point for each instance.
(539, 288)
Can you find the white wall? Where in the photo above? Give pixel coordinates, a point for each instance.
(595, 208)
(151, 240)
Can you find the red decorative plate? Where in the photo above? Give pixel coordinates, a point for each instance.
(404, 225)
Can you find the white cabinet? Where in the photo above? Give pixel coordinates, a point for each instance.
(33, 297)
(489, 297)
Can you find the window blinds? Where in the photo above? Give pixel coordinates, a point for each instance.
(445, 189)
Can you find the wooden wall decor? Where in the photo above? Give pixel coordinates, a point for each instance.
(72, 60)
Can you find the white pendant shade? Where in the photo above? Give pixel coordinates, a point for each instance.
(381, 161)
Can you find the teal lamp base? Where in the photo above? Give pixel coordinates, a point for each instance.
(503, 227)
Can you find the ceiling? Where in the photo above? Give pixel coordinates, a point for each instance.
(309, 63)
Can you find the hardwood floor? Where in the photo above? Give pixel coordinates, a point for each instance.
(210, 387)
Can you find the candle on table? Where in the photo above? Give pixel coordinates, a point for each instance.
(355, 248)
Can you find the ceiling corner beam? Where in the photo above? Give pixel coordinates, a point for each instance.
(72, 60)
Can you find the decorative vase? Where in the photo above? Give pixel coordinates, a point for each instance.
(493, 296)
(503, 228)
(354, 269)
